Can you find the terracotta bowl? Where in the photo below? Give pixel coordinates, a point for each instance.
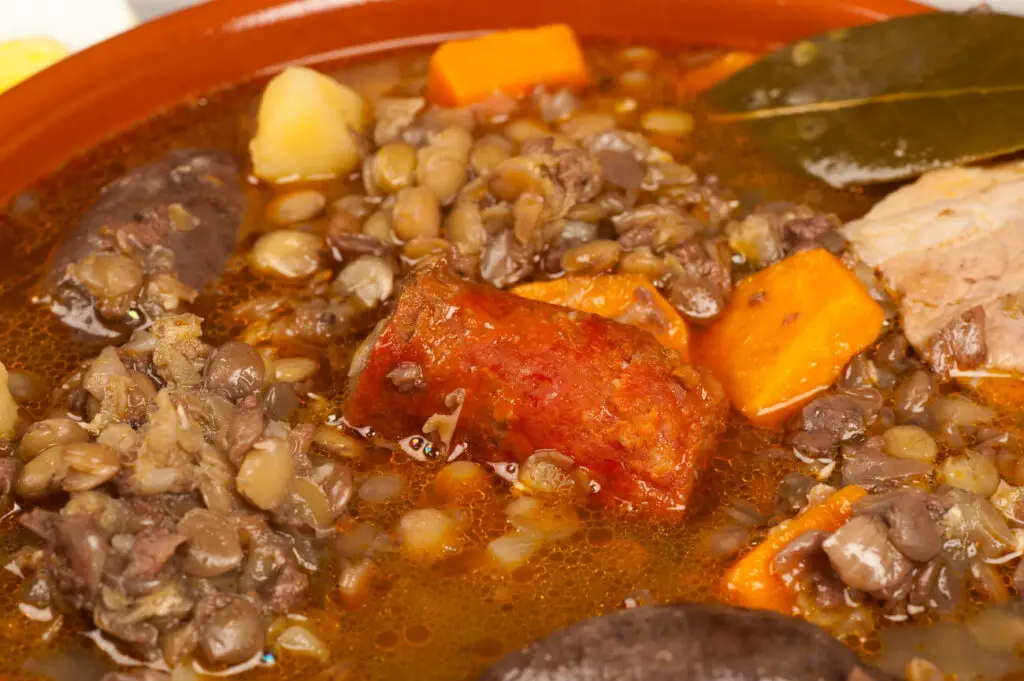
(105, 89)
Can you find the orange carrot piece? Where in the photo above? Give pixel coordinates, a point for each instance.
(999, 391)
(787, 333)
(611, 296)
(708, 75)
(752, 582)
(467, 71)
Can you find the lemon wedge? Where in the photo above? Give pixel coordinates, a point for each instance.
(25, 57)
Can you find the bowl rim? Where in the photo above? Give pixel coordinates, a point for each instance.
(39, 131)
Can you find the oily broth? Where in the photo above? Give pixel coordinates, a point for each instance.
(442, 622)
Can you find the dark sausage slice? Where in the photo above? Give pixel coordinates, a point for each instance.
(155, 236)
(537, 376)
(688, 642)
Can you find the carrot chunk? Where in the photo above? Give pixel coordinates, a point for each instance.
(630, 299)
(708, 75)
(467, 71)
(787, 333)
(752, 582)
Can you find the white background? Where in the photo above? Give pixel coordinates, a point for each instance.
(80, 23)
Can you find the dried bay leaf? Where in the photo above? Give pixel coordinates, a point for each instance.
(885, 101)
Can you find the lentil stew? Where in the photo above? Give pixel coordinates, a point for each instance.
(318, 378)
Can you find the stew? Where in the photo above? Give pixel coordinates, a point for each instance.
(392, 370)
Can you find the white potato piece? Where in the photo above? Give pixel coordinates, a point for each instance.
(304, 127)
(8, 407)
(970, 471)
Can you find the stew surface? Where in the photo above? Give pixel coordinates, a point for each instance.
(264, 507)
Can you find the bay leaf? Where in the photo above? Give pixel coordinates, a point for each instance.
(885, 101)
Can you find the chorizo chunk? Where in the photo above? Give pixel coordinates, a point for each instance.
(537, 376)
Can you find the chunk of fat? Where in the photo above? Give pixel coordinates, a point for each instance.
(917, 220)
(948, 242)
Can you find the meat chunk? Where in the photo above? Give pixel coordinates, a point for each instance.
(949, 247)
(155, 237)
(688, 642)
(537, 376)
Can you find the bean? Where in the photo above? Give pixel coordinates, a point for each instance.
(910, 442)
(587, 123)
(465, 229)
(380, 489)
(234, 370)
(671, 122)
(369, 279)
(265, 475)
(644, 262)
(593, 258)
(287, 253)
(913, 392)
(548, 522)
(524, 129)
(912, 529)
(358, 540)
(42, 435)
(43, 473)
(212, 544)
(513, 549)
(919, 669)
(864, 558)
(379, 227)
(427, 534)
(315, 505)
(416, 213)
(295, 369)
(462, 480)
(959, 411)
(488, 153)
(440, 118)
(557, 106)
(442, 170)
(25, 386)
(455, 138)
(301, 641)
(635, 80)
(640, 56)
(972, 472)
(729, 541)
(338, 443)
(424, 247)
(392, 168)
(353, 205)
(110, 276)
(338, 484)
(89, 465)
(232, 633)
(516, 176)
(296, 206)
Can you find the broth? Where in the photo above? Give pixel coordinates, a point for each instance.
(452, 619)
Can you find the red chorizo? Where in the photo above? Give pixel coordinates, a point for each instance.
(538, 376)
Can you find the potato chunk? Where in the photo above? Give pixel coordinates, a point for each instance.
(304, 127)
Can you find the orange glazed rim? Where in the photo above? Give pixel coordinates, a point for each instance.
(106, 89)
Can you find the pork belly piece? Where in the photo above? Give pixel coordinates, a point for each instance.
(950, 247)
(533, 376)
